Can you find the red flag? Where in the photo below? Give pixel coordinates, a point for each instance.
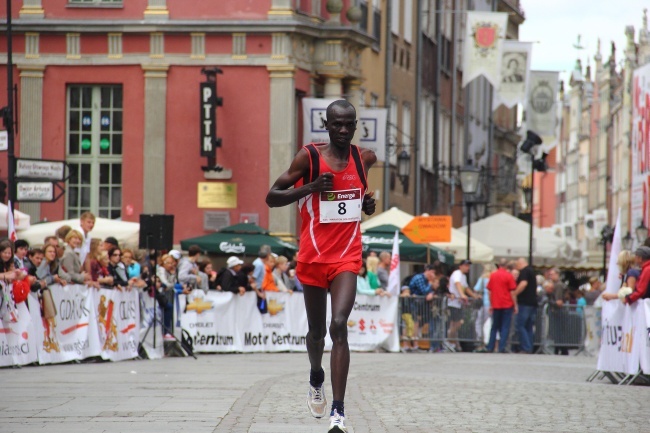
(11, 227)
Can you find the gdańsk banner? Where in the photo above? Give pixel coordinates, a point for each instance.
(485, 33)
(371, 126)
(515, 74)
(640, 146)
(18, 336)
(541, 112)
(69, 331)
(118, 318)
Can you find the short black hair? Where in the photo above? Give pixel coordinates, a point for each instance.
(341, 103)
(21, 243)
(111, 240)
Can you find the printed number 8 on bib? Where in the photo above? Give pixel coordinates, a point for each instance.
(340, 206)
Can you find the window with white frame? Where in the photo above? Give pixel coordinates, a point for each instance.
(94, 151)
(395, 11)
(408, 20)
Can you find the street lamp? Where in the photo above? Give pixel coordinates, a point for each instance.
(403, 166)
(606, 236)
(628, 241)
(641, 233)
(469, 180)
(528, 146)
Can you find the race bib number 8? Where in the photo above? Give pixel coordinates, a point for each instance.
(340, 206)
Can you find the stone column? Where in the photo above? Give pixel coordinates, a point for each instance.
(354, 98)
(31, 123)
(282, 138)
(333, 85)
(155, 103)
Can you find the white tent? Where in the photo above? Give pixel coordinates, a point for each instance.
(21, 220)
(126, 233)
(479, 252)
(508, 236)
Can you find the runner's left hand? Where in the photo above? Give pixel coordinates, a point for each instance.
(369, 204)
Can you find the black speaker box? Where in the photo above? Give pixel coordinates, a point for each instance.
(156, 232)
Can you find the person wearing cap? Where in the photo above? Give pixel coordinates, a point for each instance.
(458, 288)
(229, 281)
(503, 302)
(188, 269)
(422, 284)
(641, 290)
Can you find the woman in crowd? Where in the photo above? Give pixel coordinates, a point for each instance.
(363, 284)
(205, 266)
(70, 261)
(133, 268)
(630, 273)
(93, 254)
(282, 280)
(268, 283)
(100, 276)
(482, 313)
(50, 269)
(117, 269)
(8, 271)
(372, 262)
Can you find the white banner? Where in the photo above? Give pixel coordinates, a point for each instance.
(624, 344)
(18, 339)
(72, 334)
(394, 279)
(541, 112)
(118, 316)
(483, 47)
(313, 119)
(150, 331)
(613, 282)
(229, 323)
(515, 74)
(640, 146)
(371, 130)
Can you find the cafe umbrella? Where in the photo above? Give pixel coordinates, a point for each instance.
(381, 238)
(244, 239)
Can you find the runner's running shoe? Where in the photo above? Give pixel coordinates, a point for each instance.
(316, 401)
(337, 423)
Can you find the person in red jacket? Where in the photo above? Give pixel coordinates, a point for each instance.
(640, 290)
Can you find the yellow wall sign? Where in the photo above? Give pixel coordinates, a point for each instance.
(217, 195)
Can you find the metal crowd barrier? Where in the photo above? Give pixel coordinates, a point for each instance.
(425, 325)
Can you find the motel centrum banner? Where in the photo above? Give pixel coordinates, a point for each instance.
(640, 146)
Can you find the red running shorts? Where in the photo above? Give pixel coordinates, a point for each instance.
(322, 274)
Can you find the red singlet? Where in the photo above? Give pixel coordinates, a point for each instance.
(330, 220)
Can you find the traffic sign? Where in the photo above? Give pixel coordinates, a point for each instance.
(425, 229)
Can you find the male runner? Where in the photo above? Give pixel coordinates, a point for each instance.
(330, 184)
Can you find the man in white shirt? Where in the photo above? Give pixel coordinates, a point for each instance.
(458, 289)
(86, 225)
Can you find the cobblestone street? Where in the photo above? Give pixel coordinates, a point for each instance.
(266, 393)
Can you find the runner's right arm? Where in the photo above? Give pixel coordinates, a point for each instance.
(282, 193)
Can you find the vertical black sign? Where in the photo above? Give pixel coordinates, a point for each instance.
(208, 118)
